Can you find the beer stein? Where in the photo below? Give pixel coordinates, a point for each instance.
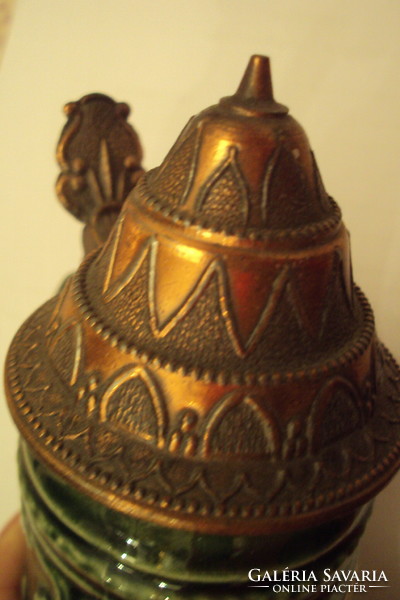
(205, 409)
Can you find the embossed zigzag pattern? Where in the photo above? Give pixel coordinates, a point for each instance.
(245, 322)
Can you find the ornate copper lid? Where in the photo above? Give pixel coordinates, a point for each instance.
(212, 366)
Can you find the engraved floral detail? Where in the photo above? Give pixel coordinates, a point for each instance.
(120, 433)
(100, 155)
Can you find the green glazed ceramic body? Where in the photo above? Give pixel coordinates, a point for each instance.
(81, 550)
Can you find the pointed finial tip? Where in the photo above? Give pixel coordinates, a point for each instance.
(254, 93)
(259, 60)
(256, 83)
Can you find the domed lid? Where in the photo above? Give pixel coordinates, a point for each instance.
(243, 167)
(213, 367)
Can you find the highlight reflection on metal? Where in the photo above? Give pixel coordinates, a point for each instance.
(212, 365)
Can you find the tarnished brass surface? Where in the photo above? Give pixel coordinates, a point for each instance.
(100, 156)
(212, 366)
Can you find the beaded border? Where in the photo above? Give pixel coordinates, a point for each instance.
(141, 194)
(190, 508)
(115, 339)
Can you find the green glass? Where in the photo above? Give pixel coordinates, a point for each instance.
(82, 550)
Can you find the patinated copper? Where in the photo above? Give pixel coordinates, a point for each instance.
(212, 366)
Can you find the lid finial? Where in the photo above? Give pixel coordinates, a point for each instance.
(254, 93)
(256, 83)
